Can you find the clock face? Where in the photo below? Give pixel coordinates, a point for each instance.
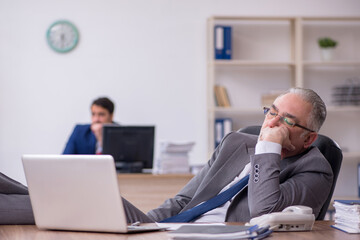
(62, 36)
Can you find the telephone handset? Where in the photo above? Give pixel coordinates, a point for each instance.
(293, 218)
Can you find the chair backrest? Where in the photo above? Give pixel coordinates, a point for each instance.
(331, 151)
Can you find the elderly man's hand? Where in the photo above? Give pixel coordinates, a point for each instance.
(278, 134)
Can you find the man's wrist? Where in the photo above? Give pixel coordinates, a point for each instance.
(267, 147)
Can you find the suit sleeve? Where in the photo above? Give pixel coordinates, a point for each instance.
(308, 183)
(15, 206)
(173, 206)
(70, 147)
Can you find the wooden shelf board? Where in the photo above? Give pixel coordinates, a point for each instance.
(252, 18)
(339, 18)
(330, 109)
(238, 110)
(331, 63)
(251, 63)
(335, 109)
(351, 156)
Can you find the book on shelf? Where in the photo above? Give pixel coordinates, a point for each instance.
(221, 96)
(267, 99)
(223, 126)
(347, 215)
(225, 96)
(220, 232)
(218, 99)
(222, 42)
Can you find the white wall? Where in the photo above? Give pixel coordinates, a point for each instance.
(148, 56)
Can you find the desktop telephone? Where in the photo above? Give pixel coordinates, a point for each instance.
(293, 218)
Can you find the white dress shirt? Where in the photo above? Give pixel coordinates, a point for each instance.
(218, 214)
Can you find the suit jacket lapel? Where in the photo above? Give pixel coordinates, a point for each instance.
(232, 166)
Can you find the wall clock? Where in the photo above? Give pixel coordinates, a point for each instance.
(62, 36)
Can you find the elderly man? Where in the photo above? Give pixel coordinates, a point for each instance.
(282, 166)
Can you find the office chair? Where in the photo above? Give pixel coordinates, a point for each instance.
(331, 151)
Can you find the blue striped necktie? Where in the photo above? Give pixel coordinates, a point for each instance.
(191, 214)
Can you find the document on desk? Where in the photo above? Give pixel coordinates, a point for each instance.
(176, 226)
(219, 232)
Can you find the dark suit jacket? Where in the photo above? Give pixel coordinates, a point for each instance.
(15, 206)
(81, 141)
(274, 183)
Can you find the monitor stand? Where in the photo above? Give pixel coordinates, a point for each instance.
(128, 167)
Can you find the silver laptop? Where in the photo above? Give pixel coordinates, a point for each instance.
(77, 193)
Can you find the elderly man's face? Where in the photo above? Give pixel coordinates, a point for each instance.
(295, 108)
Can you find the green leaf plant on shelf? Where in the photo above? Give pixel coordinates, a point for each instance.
(327, 46)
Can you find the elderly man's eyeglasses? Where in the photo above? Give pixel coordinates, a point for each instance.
(288, 121)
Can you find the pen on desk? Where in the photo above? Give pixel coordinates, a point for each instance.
(262, 229)
(263, 235)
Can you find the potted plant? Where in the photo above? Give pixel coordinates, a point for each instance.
(327, 45)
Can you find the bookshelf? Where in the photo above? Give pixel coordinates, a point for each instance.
(276, 53)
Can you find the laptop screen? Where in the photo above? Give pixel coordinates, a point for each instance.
(132, 147)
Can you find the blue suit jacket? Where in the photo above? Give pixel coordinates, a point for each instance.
(81, 141)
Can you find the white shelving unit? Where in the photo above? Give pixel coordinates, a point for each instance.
(276, 53)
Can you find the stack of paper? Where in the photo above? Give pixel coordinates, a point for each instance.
(200, 232)
(347, 215)
(174, 157)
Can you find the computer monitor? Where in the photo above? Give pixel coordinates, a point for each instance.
(132, 147)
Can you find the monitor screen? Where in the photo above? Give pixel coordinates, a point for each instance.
(132, 147)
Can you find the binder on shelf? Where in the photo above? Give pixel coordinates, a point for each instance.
(219, 42)
(223, 126)
(222, 42)
(227, 43)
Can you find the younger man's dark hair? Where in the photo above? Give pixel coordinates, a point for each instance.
(105, 103)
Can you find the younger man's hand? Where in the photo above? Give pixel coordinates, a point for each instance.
(96, 128)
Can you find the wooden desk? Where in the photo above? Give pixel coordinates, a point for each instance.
(148, 191)
(321, 230)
